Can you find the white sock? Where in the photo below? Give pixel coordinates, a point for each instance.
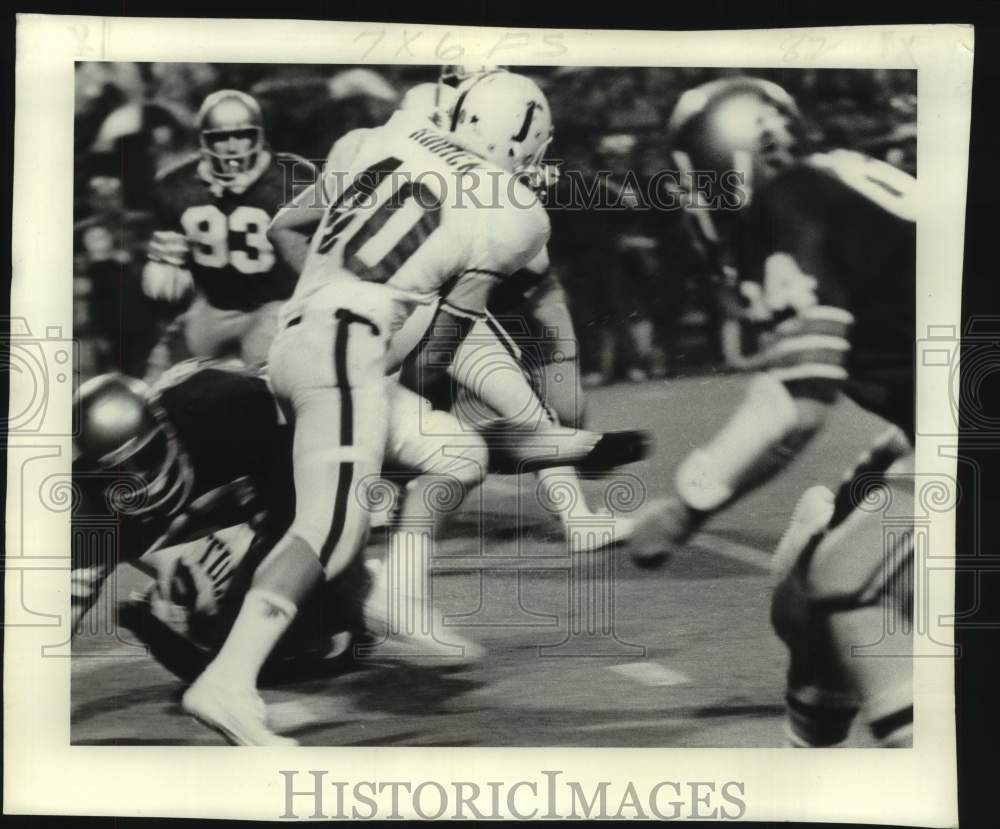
(262, 620)
(561, 492)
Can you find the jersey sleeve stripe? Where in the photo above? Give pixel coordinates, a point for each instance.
(809, 370)
(798, 325)
(809, 342)
(458, 311)
(824, 356)
(827, 312)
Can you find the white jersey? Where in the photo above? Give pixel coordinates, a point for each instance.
(414, 217)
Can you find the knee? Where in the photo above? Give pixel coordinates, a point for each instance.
(791, 609)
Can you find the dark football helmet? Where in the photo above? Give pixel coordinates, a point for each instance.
(743, 125)
(121, 429)
(231, 132)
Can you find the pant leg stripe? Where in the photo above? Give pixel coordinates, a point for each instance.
(344, 384)
(345, 473)
(344, 478)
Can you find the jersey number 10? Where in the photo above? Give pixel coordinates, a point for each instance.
(379, 231)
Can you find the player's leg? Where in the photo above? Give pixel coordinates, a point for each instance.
(330, 372)
(872, 549)
(438, 464)
(548, 356)
(214, 332)
(496, 398)
(169, 350)
(761, 436)
(821, 702)
(255, 341)
(551, 362)
(844, 604)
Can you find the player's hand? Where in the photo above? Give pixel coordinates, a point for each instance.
(166, 282)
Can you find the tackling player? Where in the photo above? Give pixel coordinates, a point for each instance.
(212, 212)
(824, 244)
(171, 464)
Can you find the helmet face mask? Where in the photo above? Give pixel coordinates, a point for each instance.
(123, 432)
(746, 127)
(231, 133)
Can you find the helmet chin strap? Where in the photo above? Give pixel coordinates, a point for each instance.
(239, 182)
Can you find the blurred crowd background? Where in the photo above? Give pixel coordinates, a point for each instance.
(641, 302)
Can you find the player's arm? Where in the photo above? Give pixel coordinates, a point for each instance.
(802, 370)
(293, 227)
(496, 250)
(166, 276)
(427, 368)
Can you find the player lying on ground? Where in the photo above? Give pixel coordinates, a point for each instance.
(208, 448)
(825, 247)
(212, 211)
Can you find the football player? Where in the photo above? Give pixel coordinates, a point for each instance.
(824, 245)
(397, 231)
(521, 354)
(212, 212)
(497, 383)
(172, 464)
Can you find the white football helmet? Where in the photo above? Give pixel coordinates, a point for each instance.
(505, 118)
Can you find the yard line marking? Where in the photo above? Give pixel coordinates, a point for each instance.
(650, 673)
(742, 553)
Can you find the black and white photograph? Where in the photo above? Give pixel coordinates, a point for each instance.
(495, 405)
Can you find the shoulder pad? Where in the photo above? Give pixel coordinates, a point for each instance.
(878, 181)
(294, 159)
(171, 170)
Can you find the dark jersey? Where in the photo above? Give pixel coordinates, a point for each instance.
(232, 262)
(228, 424)
(235, 441)
(828, 266)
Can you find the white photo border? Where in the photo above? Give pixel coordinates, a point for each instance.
(44, 774)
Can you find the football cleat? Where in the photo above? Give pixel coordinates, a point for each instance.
(661, 528)
(617, 449)
(239, 716)
(403, 628)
